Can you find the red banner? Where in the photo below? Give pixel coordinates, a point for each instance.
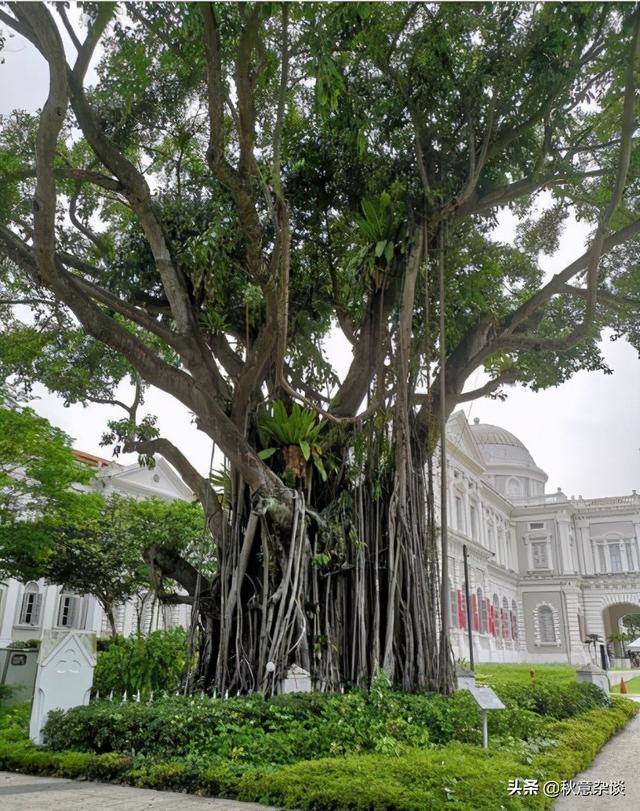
(462, 611)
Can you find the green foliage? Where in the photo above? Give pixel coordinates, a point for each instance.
(38, 472)
(298, 429)
(148, 665)
(243, 730)
(380, 229)
(93, 544)
(632, 624)
(14, 722)
(546, 690)
(65, 360)
(456, 775)
(290, 728)
(37, 465)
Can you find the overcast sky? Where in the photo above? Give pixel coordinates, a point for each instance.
(585, 433)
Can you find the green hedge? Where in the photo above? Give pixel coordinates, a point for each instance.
(290, 728)
(455, 776)
(557, 700)
(578, 740)
(451, 777)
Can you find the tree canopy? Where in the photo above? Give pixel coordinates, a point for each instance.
(243, 178)
(39, 474)
(54, 526)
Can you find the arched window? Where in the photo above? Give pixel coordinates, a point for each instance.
(546, 625)
(514, 619)
(31, 605)
(496, 615)
(453, 606)
(504, 619)
(514, 488)
(482, 611)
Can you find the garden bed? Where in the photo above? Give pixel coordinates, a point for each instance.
(380, 750)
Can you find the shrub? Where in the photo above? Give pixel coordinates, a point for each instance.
(14, 723)
(23, 756)
(146, 664)
(294, 727)
(248, 729)
(556, 701)
(579, 739)
(455, 776)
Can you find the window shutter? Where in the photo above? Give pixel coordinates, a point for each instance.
(462, 616)
(71, 615)
(474, 606)
(23, 609)
(35, 613)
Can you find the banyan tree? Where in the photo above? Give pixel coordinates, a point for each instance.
(211, 193)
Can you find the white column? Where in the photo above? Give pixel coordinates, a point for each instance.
(482, 530)
(94, 615)
(12, 598)
(48, 617)
(636, 544)
(563, 564)
(585, 546)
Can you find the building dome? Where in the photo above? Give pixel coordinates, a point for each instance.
(510, 466)
(498, 443)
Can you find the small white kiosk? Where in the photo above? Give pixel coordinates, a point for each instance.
(64, 676)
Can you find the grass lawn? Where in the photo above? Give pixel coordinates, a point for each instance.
(633, 686)
(497, 674)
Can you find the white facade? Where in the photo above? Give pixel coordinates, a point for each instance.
(27, 610)
(546, 571)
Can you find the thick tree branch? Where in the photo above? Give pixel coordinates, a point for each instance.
(508, 377)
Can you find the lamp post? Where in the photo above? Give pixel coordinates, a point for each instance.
(467, 599)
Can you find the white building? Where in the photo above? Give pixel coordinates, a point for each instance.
(27, 609)
(545, 571)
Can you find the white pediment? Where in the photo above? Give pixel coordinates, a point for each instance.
(460, 439)
(71, 643)
(160, 481)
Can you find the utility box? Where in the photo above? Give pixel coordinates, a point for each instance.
(18, 672)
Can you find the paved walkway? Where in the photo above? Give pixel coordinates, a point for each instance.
(21, 791)
(617, 760)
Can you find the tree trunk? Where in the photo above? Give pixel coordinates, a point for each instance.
(108, 610)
